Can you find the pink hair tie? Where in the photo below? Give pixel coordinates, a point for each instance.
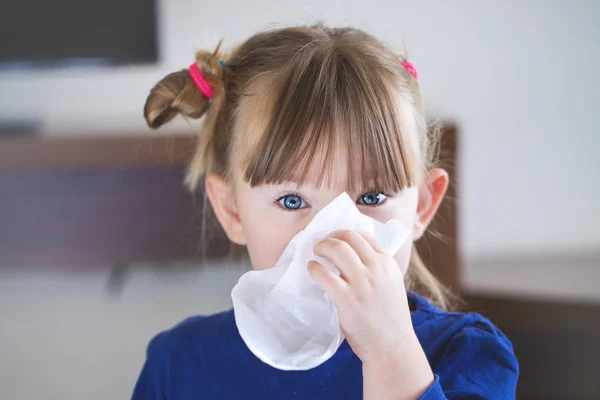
(200, 82)
(410, 68)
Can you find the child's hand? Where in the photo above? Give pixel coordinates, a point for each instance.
(369, 294)
(373, 310)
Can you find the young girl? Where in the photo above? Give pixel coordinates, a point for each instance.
(295, 117)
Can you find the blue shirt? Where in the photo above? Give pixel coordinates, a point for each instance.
(204, 358)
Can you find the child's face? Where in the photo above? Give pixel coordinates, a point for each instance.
(265, 218)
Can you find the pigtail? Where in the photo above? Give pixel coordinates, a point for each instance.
(178, 94)
(174, 94)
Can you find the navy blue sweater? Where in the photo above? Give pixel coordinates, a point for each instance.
(204, 358)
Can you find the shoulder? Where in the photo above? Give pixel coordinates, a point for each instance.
(169, 353)
(466, 347)
(453, 323)
(190, 335)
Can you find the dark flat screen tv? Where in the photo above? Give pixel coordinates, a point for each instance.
(67, 33)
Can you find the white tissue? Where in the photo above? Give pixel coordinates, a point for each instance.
(282, 315)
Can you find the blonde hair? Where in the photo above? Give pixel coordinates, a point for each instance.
(319, 87)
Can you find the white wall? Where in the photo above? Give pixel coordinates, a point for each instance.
(520, 78)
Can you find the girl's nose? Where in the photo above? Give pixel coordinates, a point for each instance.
(321, 204)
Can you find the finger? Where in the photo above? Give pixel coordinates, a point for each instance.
(363, 247)
(342, 255)
(332, 284)
(373, 242)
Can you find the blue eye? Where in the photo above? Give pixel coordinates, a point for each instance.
(372, 198)
(292, 202)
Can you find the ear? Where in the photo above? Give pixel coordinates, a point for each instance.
(430, 197)
(221, 196)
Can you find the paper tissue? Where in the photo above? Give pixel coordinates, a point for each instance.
(282, 315)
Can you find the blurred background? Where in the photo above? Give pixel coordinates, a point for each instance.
(100, 244)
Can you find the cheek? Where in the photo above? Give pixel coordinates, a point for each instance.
(265, 248)
(263, 243)
(266, 236)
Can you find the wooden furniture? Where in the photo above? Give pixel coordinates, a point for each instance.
(556, 343)
(79, 203)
